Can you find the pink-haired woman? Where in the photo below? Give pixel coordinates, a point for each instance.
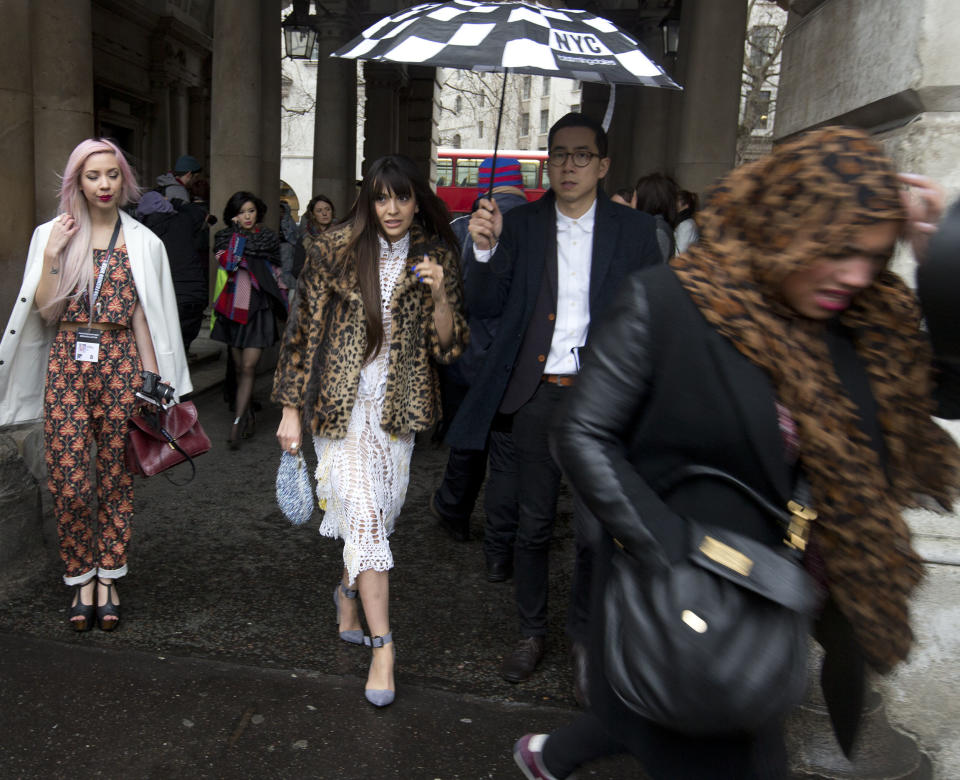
(95, 321)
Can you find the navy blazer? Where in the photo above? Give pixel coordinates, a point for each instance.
(624, 241)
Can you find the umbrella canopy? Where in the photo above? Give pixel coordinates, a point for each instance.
(519, 37)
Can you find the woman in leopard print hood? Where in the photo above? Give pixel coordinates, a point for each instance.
(779, 345)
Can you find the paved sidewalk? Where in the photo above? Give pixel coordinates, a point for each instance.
(227, 663)
(71, 711)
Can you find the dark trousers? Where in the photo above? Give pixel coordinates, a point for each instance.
(500, 499)
(667, 755)
(465, 473)
(540, 477)
(190, 313)
(462, 480)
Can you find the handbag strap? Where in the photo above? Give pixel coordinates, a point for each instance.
(794, 520)
(173, 443)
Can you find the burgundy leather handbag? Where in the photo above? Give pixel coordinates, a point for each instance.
(157, 441)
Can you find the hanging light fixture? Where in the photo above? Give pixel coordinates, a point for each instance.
(299, 32)
(670, 30)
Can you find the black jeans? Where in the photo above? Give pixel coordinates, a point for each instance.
(190, 314)
(500, 498)
(540, 477)
(462, 480)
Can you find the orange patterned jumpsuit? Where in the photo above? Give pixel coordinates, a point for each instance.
(86, 404)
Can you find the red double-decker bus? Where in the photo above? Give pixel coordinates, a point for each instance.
(457, 175)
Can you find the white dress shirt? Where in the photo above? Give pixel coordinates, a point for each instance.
(574, 253)
(574, 256)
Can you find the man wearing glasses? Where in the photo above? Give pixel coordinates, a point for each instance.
(547, 269)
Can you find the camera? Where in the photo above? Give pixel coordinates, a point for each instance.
(155, 391)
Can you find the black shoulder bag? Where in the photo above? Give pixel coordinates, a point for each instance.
(717, 642)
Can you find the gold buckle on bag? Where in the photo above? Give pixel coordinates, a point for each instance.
(798, 531)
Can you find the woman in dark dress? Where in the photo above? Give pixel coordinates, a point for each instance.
(251, 302)
(780, 345)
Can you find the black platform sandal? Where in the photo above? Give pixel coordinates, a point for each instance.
(108, 615)
(80, 610)
(233, 440)
(249, 423)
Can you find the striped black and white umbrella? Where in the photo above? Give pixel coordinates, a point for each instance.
(517, 37)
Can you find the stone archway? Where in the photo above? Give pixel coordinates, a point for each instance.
(289, 196)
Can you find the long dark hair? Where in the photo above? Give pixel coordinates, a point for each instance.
(657, 194)
(400, 175)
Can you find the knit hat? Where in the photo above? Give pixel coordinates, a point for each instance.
(187, 163)
(508, 174)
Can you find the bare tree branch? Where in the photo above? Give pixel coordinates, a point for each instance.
(761, 70)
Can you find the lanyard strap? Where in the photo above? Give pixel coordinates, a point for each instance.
(103, 267)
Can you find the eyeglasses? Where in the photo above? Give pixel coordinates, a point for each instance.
(580, 158)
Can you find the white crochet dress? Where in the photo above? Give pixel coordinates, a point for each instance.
(362, 479)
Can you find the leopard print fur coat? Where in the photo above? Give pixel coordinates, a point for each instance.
(318, 370)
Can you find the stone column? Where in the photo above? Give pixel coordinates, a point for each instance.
(419, 133)
(271, 52)
(179, 121)
(20, 506)
(335, 122)
(236, 129)
(709, 68)
(62, 91)
(384, 83)
(640, 131)
(161, 151)
(16, 130)
(199, 100)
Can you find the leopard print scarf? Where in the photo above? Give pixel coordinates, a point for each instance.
(784, 213)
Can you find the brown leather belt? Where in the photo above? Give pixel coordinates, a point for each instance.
(75, 326)
(563, 380)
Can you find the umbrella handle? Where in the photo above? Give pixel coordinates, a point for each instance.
(496, 140)
(608, 116)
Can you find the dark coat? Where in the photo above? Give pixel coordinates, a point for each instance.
(507, 287)
(661, 388)
(483, 330)
(184, 234)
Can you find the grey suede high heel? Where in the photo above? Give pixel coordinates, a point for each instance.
(379, 697)
(353, 636)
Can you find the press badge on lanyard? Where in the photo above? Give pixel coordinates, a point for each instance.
(88, 339)
(88, 345)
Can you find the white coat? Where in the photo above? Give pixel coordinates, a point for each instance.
(26, 342)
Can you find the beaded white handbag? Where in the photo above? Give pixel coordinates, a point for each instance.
(294, 491)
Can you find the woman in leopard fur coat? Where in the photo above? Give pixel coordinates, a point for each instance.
(378, 303)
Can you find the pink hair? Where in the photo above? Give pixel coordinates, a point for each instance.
(76, 266)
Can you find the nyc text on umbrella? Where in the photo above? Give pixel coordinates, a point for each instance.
(519, 37)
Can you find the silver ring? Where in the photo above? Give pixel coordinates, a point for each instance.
(294, 447)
